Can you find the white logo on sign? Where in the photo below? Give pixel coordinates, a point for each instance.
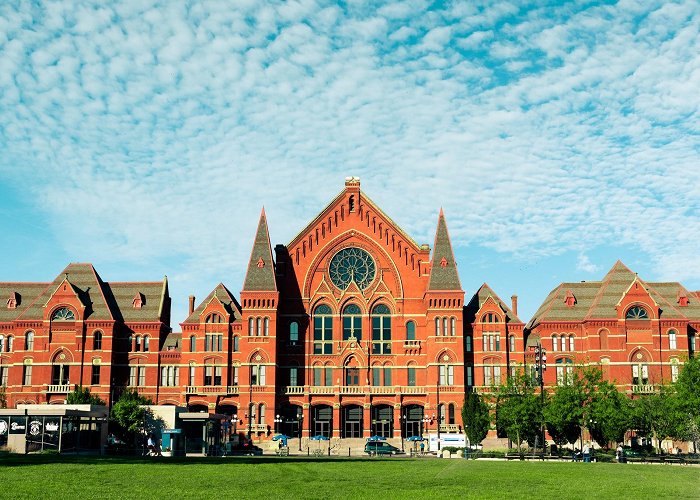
(52, 427)
(16, 427)
(34, 428)
(3, 427)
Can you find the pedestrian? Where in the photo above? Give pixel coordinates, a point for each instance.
(150, 445)
(586, 453)
(159, 448)
(618, 453)
(422, 448)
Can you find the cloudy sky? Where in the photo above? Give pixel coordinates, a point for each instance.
(145, 137)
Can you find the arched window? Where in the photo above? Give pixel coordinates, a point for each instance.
(63, 314)
(251, 327)
(27, 372)
(352, 322)
(565, 370)
(468, 340)
(257, 375)
(381, 330)
(261, 415)
(637, 312)
(691, 343)
(571, 343)
(10, 343)
(97, 340)
(672, 344)
(555, 343)
(444, 327)
(146, 343)
(193, 343)
(130, 346)
(437, 327)
(453, 327)
(258, 327)
(411, 374)
(387, 374)
(267, 327)
(674, 370)
(563, 343)
(214, 318)
(511, 340)
(293, 332)
(451, 414)
(29, 341)
(236, 346)
(323, 330)
(137, 347)
(410, 331)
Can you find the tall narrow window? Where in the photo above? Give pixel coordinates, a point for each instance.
(444, 326)
(4, 375)
(267, 327)
(411, 376)
(453, 327)
(555, 343)
(294, 376)
(381, 330)
(328, 375)
(387, 376)
(29, 342)
(437, 327)
(498, 342)
(488, 375)
(571, 343)
(192, 375)
(234, 376)
(138, 343)
(193, 343)
(470, 375)
(133, 376)
(497, 375)
(410, 331)
(258, 326)
(10, 343)
(512, 343)
(27, 372)
(376, 376)
(142, 376)
(318, 376)
(236, 345)
(218, 370)
(97, 340)
(468, 340)
(451, 414)
(251, 326)
(95, 378)
(323, 330)
(208, 375)
(146, 343)
(674, 371)
(352, 322)
(672, 339)
(293, 332)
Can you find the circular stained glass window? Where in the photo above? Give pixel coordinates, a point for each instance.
(352, 264)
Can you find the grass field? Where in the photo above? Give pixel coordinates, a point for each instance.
(271, 477)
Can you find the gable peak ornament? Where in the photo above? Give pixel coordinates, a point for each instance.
(443, 262)
(261, 263)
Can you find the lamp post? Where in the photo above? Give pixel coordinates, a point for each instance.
(278, 421)
(235, 426)
(250, 420)
(402, 423)
(541, 367)
(300, 419)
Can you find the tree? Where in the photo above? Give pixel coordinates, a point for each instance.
(129, 417)
(519, 409)
(609, 415)
(564, 412)
(687, 404)
(81, 396)
(475, 418)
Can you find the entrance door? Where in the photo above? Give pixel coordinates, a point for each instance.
(382, 421)
(413, 418)
(323, 421)
(352, 416)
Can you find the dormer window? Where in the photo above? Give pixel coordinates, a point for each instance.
(139, 301)
(570, 299)
(637, 312)
(13, 301)
(63, 314)
(682, 299)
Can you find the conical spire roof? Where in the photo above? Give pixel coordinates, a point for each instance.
(261, 269)
(443, 273)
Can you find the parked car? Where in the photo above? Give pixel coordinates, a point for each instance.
(380, 448)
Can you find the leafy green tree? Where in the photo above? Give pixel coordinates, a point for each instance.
(687, 403)
(81, 396)
(609, 415)
(563, 413)
(475, 418)
(519, 409)
(129, 417)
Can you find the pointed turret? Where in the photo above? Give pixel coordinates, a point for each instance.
(443, 272)
(261, 269)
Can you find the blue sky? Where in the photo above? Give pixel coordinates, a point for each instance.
(144, 137)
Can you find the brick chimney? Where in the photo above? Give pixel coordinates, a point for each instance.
(514, 304)
(191, 305)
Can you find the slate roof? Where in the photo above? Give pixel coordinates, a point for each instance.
(261, 278)
(447, 277)
(225, 297)
(172, 342)
(102, 301)
(598, 299)
(478, 300)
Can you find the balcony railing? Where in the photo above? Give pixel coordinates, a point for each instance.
(294, 389)
(643, 389)
(449, 428)
(358, 390)
(411, 344)
(60, 388)
(412, 389)
(211, 389)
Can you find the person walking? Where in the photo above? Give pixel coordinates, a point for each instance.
(586, 453)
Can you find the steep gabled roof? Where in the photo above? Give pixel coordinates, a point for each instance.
(367, 201)
(599, 299)
(261, 268)
(88, 286)
(155, 294)
(443, 271)
(478, 300)
(26, 294)
(224, 296)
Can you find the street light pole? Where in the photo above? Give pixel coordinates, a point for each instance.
(541, 367)
(300, 418)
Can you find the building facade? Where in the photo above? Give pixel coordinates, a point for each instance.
(350, 330)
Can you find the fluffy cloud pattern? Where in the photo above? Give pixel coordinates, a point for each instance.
(156, 130)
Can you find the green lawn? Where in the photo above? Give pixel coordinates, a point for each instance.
(271, 477)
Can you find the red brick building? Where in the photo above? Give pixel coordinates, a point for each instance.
(639, 332)
(79, 329)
